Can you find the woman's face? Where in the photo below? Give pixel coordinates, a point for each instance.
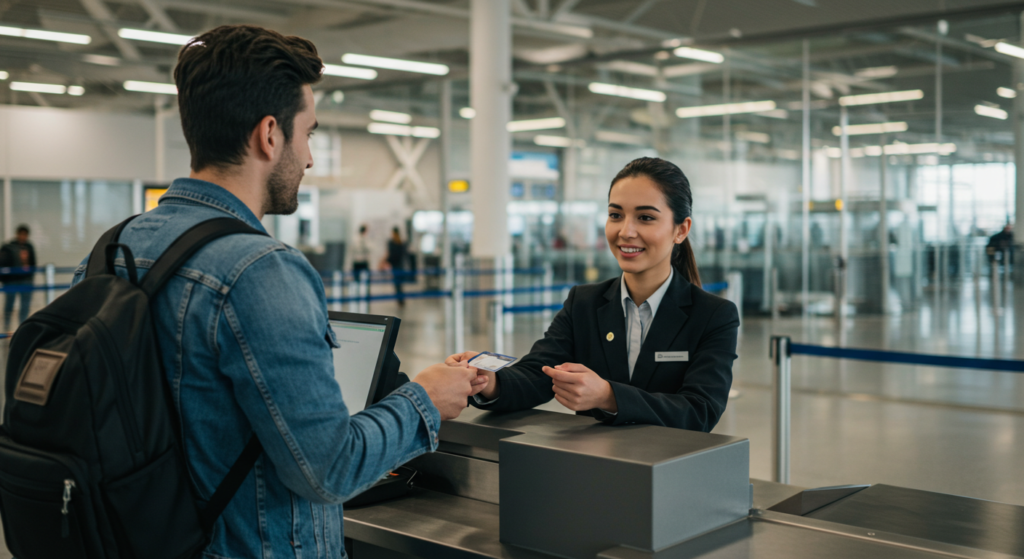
(640, 229)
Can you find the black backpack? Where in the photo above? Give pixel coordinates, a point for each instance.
(91, 465)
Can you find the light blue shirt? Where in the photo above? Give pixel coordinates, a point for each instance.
(639, 319)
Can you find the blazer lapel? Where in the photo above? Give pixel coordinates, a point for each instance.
(668, 322)
(612, 334)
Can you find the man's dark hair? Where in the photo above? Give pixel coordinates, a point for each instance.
(233, 76)
(22, 229)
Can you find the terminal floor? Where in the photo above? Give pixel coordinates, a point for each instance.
(946, 430)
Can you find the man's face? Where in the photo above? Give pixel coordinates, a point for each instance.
(283, 183)
(22, 237)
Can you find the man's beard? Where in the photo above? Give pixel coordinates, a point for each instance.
(282, 196)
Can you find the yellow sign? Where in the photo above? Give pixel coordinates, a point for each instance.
(839, 205)
(152, 197)
(458, 186)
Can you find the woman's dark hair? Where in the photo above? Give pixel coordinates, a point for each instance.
(676, 188)
(233, 76)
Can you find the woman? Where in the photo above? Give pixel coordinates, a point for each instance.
(648, 347)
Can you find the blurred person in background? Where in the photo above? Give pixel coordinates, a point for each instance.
(18, 256)
(396, 261)
(361, 254)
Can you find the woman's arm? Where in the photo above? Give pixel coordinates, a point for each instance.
(700, 401)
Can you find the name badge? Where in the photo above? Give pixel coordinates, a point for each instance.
(671, 356)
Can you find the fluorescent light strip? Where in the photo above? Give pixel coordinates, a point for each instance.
(390, 116)
(628, 92)
(991, 112)
(886, 97)
(4, 75)
(151, 87)
(613, 137)
(39, 87)
(726, 109)
(1008, 49)
(877, 72)
(41, 35)
(879, 128)
(76, 90)
(558, 142)
(536, 124)
(1006, 93)
(403, 130)
(467, 112)
(895, 149)
(698, 54)
(349, 72)
(153, 36)
(395, 64)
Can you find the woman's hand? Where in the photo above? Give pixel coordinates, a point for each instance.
(491, 390)
(579, 389)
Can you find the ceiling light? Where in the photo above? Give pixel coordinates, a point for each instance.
(349, 72)
(4, 75)
(877, 72)
(628, 92)
(726, 109)
(395, 64)
(782, 114)
(756, 137)
(391, 116)
(76, 90)
(101, 60)
(39, 87)
(629, 67)
(1006, 92)
(879, 128)
(467, 112)
(991, 112)
(338, 96)
(1012, 50)
(698, 54)
(619, 138)
(894, 149)
(536, 124)
(558, 142)
(73, 38)
(151, 87)
(887, 97)
(153, 36)
(403, 130)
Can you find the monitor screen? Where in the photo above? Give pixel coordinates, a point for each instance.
(355, 362)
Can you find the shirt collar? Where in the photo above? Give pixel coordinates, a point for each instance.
(195, 191)
(654, 300)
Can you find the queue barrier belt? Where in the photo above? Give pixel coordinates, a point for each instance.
(1007, 365)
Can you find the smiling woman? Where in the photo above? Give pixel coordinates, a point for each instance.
(649, 346)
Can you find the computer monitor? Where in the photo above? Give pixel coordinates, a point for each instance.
(365, 365)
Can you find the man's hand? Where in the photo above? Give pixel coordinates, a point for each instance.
(491, 390)
(449, 386)
(579, 389)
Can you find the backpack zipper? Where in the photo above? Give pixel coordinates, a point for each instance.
(65, 528)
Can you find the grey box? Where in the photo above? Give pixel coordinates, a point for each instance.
(584, 491)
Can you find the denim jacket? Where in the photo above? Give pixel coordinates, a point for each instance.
(246, 347)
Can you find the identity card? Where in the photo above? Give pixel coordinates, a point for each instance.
(491, 361)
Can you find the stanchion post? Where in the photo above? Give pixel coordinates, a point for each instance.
(546, 283)
(364, 293)
(459, 303)
(51, 274)
(781, 369)
(735, 287)
(337, 280)
(997, 296)
(449, 310)
(498, 330)
(775, 294)
(507, 300)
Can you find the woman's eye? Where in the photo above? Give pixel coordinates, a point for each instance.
(647, 218)
(613, 216)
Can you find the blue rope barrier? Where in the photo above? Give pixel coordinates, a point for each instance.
(712, 287)
(379, 276)
(532, 308)
(908, 358)
(495, 292)
(441, 293)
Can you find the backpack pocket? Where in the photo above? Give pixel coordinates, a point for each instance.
(45, 506)
(155, 511)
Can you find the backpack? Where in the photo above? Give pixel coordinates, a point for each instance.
(91, 465)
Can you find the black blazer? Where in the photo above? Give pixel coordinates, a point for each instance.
(688, 395)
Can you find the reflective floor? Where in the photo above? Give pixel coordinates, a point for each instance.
(946, 430)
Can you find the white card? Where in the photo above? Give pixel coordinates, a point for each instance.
(671, 356)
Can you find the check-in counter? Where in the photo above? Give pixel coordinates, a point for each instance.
(538, 484)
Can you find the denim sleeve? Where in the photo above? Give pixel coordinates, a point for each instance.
(271, 338)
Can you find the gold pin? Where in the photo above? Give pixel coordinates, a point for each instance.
(610, 336)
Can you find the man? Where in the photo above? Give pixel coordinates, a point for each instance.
(19, 257)
(243, 326)
(1000, 246)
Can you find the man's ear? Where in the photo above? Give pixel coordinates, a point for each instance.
(265, 139)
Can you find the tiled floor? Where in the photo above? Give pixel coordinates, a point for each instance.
(947, 430)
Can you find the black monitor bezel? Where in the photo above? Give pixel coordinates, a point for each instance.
(378, 385)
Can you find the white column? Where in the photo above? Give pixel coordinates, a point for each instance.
(1018, 150)
(491, 88)
(844, 180)
(805, 216)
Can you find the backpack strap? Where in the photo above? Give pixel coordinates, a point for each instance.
(186, 245)
(230, 484)
(98, 257)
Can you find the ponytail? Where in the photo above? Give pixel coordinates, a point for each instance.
(676, 188)
(685, 262)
